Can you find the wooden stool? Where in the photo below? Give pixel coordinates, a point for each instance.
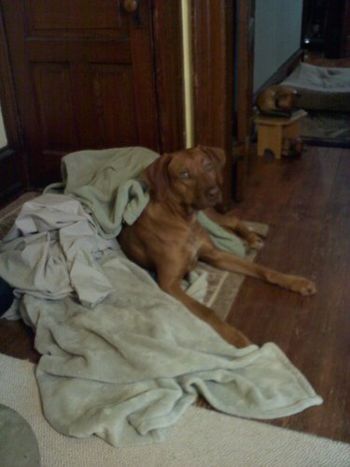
(272, 131)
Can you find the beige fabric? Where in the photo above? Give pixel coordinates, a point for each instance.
(105, 182)
(221, 287)
(201, 438)
(52, 251)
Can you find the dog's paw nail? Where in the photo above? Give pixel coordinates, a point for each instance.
(308, 289)
(303, 286)
(256, 243)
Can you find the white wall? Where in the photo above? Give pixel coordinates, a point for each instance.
(277, 35)
(3, 138)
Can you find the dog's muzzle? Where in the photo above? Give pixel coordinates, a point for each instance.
(213, 196)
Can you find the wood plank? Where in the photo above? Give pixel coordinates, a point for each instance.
(310, 236)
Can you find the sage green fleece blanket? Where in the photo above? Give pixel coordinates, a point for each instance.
(106, 183)
(120, 359)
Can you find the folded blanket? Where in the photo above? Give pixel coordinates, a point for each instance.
(120, 358)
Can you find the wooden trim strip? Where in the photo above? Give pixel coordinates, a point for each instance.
(167, 45)
(13, 156)
(213, 36)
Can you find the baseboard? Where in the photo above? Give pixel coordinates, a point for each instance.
(282, 72)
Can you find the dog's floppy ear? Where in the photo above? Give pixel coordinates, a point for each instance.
(217, 155)
(158, 176)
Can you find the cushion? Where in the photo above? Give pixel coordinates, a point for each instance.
(321, 88)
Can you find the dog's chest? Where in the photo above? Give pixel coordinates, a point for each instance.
(192, 247)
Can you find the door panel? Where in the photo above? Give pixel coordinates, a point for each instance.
(77, 16)
(113, 109)
(53, 101)
(83, 73)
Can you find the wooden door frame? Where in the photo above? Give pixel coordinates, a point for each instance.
(245, 75)
(245, 71)
(223, 46)
(168, 68)
(12, 157)
(212, 46)
(166, 42)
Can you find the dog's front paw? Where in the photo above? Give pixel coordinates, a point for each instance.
(303, 286)
(255, 242)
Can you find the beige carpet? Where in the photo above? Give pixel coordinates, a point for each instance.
(201, 438)
(326, 128)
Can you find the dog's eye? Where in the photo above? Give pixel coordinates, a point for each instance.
(184, 175)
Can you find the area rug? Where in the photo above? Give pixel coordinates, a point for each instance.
(200, 439)
(222, 288)
(325, 95)
(326, 128)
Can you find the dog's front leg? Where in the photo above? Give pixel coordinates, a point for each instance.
(230, 222)
(229, 262)
(171, 285)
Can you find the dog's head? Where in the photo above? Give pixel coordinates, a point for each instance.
(286, 97)
(191, 177)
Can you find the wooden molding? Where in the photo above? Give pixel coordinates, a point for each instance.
(213, 36)
(13, 166)
(167, 40)
(244, 64)
(7, 94)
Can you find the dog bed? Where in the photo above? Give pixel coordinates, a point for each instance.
(321, 88)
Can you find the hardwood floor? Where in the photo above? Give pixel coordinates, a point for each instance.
(306, 202)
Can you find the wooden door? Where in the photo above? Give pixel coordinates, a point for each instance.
(345, 31)
(83, 76)
(337, 29)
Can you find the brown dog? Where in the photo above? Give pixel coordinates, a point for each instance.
(168, 239)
